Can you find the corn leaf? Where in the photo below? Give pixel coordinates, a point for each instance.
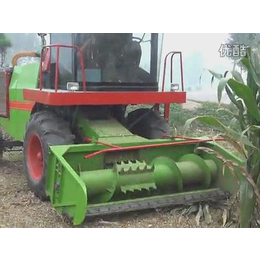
(233, 99)
(240, 148)
(254, 66)
(237, 76)
(215, 74)
(245, 93)
(213, 122)
(221, 86)
(247, 203)
(251, 128)
(221, 109)
(245, 62)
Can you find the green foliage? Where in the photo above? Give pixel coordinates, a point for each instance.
(249, 39)
(179, 116)
(4, 41)
(4, 44)
(246, 135)
(22, 42)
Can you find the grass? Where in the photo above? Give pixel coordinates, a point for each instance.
(179, 116)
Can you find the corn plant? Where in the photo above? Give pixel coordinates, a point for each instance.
(246, 135)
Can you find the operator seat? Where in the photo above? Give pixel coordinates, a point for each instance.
(130, 61)
(132, 53)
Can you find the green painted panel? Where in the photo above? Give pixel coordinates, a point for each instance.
(108, 128)
(17, 125)
(24, 76)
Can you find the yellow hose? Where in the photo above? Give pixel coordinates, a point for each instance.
(23, 54)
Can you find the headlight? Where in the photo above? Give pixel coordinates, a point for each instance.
(72, 86)
(174, 87)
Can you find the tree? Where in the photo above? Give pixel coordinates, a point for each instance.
(251, 40)
(22, 42)
(4, 44)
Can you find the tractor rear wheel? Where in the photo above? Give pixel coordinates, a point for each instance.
(44, 129)
(147, 123)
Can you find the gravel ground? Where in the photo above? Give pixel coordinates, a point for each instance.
(20, 208)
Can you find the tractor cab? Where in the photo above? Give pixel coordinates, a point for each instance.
(97, 69)
(111, 62)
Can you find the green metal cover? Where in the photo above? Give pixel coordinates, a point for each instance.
(75, 184)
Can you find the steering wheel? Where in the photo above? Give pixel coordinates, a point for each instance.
(138, 38)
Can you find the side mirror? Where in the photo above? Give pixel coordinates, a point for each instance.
(46, 64)
(42, 35)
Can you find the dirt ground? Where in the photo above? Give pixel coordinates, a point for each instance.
(20, 208)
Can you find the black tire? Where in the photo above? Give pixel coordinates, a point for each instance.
(44, 129)
(147, 123)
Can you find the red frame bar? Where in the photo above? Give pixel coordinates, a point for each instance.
(182, 77)
(172, 53)
(167, 112)
(89, 140)
(58, 46)
(57, 69)
(146, 146)
(66, 98)
(181, 67)
(50, 99)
